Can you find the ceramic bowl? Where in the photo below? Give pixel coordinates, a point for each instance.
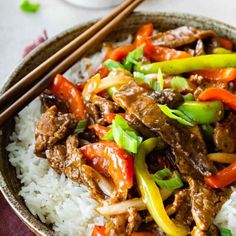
(9, 184)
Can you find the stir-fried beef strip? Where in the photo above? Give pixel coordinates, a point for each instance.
(105, 106)
(212, 231)
(205, 203)
(202, 84)
(185, 144)
(56, 156)
(180, 36)
(139, 126)
(74, 159)
(181, 207)
(52, 127)
(225, 134)
(124, 224)
(170, 97)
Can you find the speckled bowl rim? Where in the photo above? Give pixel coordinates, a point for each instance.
(37, 227)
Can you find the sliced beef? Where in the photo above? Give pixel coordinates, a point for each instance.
(52, 127)
(186, 145)
(170, 97)
(74, 159)
(139, 126)
(181, 208)
(206, 203)
(99, 106)
(212, 231)
(105, 106)
(180, 36)
(225, 134)
(202, 84)
(124, 225)
(56, 156)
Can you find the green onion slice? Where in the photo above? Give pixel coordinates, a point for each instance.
(225, 232)
(176, 115)
(111, 64)
(27, 6)
(81, 126)
(132, 58)
(174, 182)
(180, 84)
(123, 135)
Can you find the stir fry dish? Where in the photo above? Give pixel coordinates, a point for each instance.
(152, 134)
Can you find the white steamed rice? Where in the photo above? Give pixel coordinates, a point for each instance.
(54, 198)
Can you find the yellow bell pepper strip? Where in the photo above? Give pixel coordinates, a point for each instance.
(222, 157)
(179, 66)
(218, 94)
(203, 112)
(220, 50)
(151, 194)
(223, 178)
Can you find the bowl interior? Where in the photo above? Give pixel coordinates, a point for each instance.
(10, 185)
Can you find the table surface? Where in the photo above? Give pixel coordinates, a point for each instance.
(18, 29)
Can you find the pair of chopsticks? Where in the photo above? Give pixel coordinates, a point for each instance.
(34, 83)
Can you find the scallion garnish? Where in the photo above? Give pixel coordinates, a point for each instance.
(123, 135)
(225, 232)
(180, 84)
(28, 6)
(176, 115)
(111, 64)
(132, 58)
(173, 182)
(81, 126)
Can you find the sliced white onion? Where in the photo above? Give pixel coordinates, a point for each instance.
(121, 207)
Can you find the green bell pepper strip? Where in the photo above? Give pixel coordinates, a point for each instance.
(179, 66)
(203, 112)
(151, 194)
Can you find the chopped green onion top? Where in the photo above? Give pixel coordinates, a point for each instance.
(132, 58)
(123, 135)
(27, 6)
(161, 174)
(152, 80)
(81, 126)
(173, 182)
(180, 84)
(225, 232)
(111, 64)
(176, 115)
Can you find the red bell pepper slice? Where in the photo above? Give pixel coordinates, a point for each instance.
(223, 75)
(218, 94)
(145, 31)
(223, 178)
(226, 43)
(70, 94)
(120, 53)
(100, 130)
(109, 159)
(99, 231)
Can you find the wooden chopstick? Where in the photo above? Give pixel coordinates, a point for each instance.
(66, 64)
(56, 58)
